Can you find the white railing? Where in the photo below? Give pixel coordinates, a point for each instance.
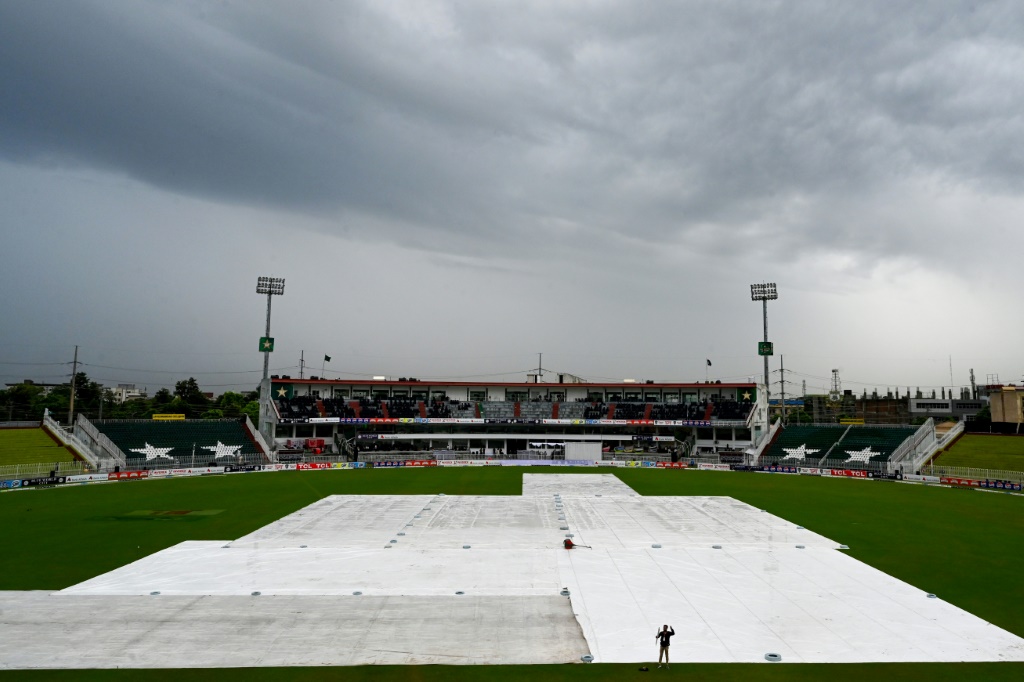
(834, 446)
(950, 435)
(880, 467)
(68, 439)
(633, 457)
(939, 444)
(766, 440)
(19, 425)
(37, 469)
(909, 451)
(971, 472)
(104, 446)
(258, 437)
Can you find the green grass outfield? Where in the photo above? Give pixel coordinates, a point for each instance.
(966, 546)
(985, 452)
(30, 446)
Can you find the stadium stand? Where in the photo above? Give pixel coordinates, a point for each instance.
(731, 409)
(535, 410)
(301, 407)
(30, 446)
(297, 407)
(869, 443)
(629, 411)
(573, 410)
(439, 409)
(402, 408)
(496, 409)
(852, 446)
(161, 443)
(335, 408)
(463, 410)
(368, 409)
(802, 445)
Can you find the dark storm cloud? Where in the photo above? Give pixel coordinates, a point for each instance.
(715, 127)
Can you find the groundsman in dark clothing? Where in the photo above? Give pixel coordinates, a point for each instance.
(664, 635)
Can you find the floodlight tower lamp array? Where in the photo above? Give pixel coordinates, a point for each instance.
(271, 286)
(764, 292)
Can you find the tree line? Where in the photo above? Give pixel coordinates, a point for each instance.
(28, 402)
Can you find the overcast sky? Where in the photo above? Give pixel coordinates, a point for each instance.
(450, 188)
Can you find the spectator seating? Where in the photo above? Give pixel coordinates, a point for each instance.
(462, 409)
(674, 411)
(304, 407)
(573, 410)
(630, 411)
(369, 409)
(148, 444)
(440, 409)
(498, 409)
(870, 443)
(535, 410)
(298, 407)
(731, 409)
(403, 408)
(802, 445)
(338, 408)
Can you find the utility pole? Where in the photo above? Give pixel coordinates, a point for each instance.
(950, 377)
(302, 363)
(782, 373)
(71, 402)
(974, 387)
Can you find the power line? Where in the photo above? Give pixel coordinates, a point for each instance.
(35, 364)
(168, 371)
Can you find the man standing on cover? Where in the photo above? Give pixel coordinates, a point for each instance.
(663, 636)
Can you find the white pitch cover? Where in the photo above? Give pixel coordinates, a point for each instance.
(482, 579)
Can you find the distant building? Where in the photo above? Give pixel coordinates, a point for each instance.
(873, 409)
(775, 406)
(958, 409)
(125, 392)
(1006, 404)
(28, 382)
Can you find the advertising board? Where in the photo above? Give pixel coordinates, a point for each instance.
(85, 478)
(845, 473)
(127, 475)
(714, 467)
(779, 469)
(917, 478)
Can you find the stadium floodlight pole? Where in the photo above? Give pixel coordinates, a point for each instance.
(764, 293)
(271, 286)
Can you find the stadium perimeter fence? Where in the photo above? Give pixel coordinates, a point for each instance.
(33, 469)
(972, 473)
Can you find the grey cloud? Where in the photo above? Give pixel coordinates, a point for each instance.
(470, 127)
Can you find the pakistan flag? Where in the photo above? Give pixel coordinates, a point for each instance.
(278, 391)
(746, 394)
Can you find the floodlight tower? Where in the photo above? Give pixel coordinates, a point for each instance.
(764, 293)
(271, 286)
